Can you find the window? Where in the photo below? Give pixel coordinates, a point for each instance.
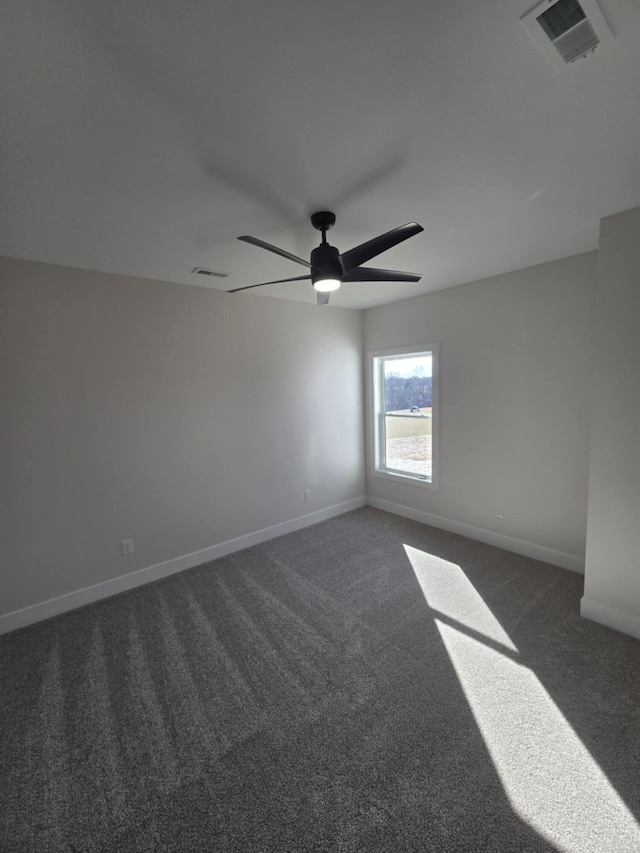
(405, 410)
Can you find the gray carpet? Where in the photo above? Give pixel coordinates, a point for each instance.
(367, 684)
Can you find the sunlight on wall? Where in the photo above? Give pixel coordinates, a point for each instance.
(550, 778)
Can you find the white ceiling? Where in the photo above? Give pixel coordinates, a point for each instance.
(143, 137)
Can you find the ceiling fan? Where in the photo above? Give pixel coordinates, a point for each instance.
(329, 269)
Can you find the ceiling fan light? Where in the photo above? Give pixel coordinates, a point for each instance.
(326, 285)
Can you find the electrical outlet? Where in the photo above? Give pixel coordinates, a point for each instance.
(127, 547)
(499, 512)
(307, 494)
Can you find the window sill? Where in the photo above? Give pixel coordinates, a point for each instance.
(409, 479)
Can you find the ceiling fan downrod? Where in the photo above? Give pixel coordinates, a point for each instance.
(323, 220)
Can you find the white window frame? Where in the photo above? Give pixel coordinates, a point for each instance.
(378, 423)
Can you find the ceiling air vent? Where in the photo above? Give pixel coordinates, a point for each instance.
(205, 271)
(567, 29)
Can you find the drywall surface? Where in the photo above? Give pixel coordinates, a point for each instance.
(612, 574)
(515, 392)
(176, 416)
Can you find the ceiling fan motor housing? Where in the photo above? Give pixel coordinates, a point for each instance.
(326, 263)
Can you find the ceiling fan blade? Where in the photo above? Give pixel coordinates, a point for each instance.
(262, 284)
(372, 274)
(262, 245)
(365, 251)
(323, 298)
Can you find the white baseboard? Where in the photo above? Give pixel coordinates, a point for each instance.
(63, 603)
(610, 616)
(527, 549)
(87, 595)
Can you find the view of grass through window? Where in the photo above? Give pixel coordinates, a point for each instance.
(408, 414)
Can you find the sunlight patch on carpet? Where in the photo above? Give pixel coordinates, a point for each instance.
(550, 778)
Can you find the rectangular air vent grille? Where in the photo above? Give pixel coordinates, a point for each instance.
(205, 271)
(565, 30)
(559, 19)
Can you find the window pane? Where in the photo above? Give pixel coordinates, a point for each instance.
(408, 414)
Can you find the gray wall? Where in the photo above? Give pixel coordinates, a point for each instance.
(182, 417)
(177, 416)
(612, 581)
(515, 400)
